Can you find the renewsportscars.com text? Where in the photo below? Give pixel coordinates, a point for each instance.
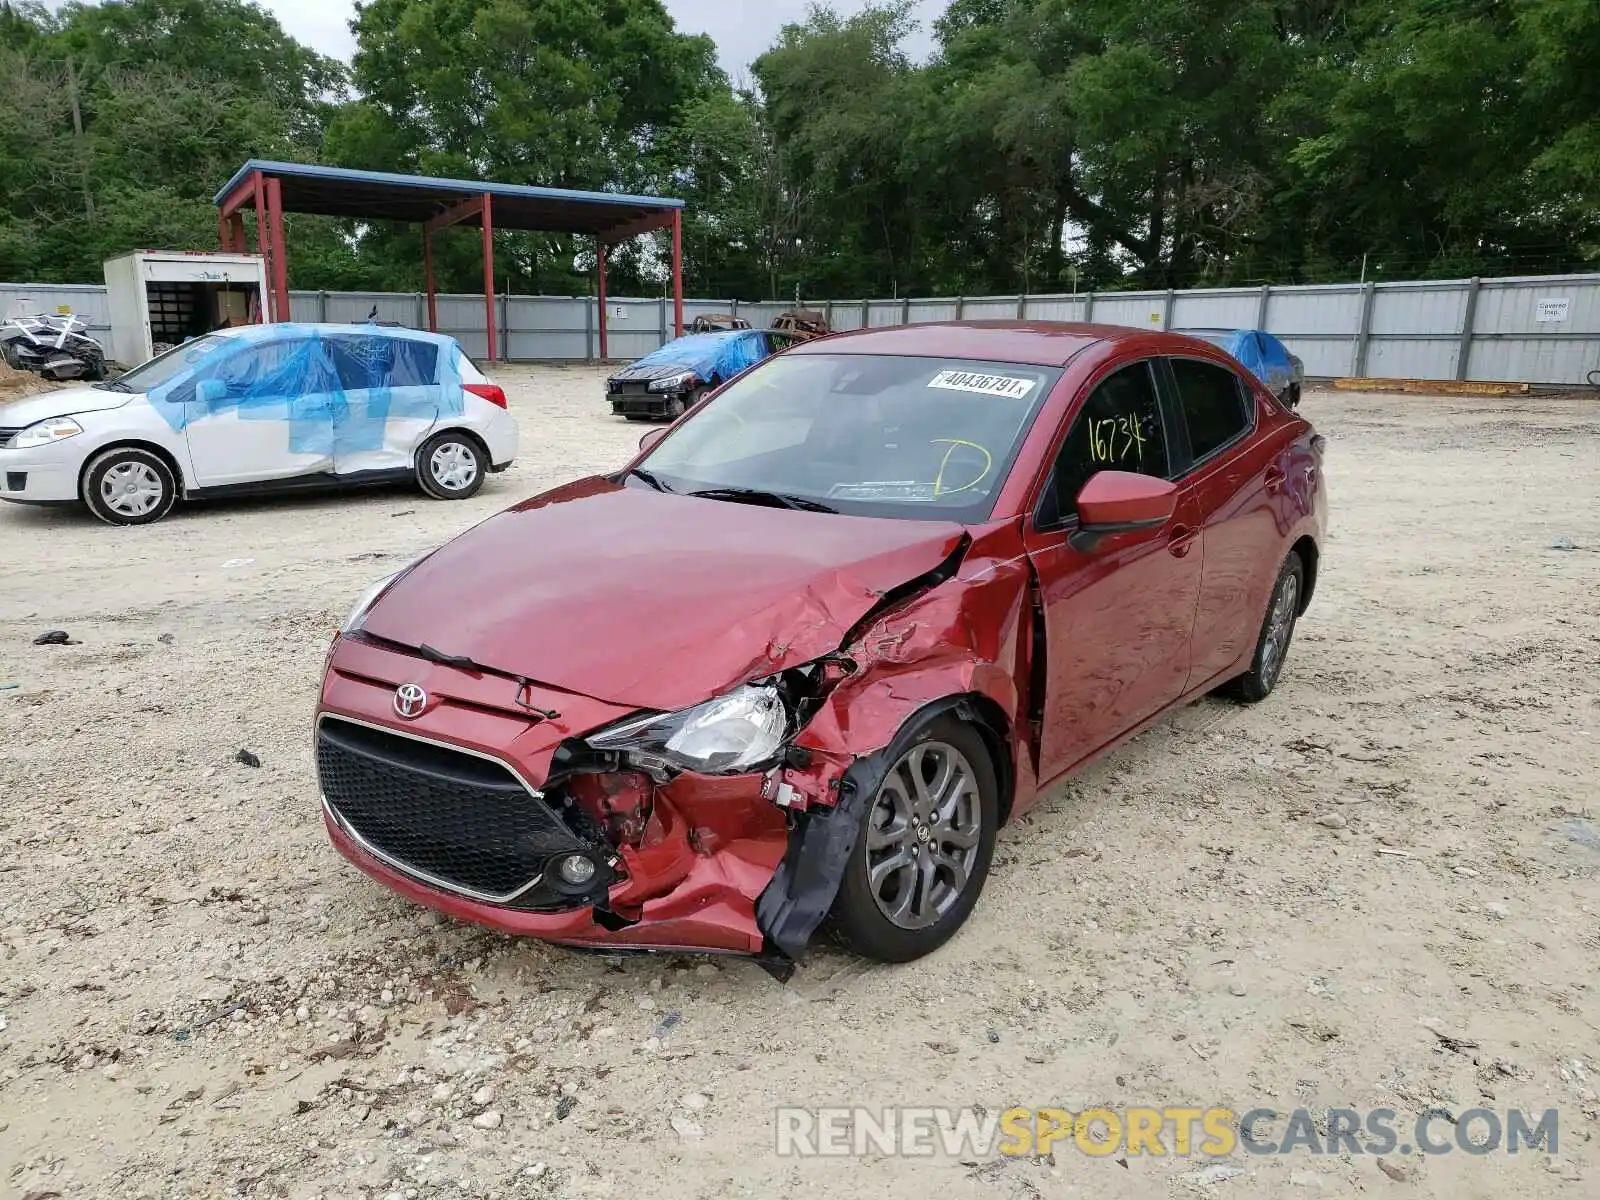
(976, 1132)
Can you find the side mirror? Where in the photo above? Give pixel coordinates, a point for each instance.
(1115, 502)
(649, 440)
(210, 392)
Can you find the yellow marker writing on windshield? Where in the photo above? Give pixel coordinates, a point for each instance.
(938, 481)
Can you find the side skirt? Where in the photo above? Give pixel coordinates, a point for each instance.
(321, 482)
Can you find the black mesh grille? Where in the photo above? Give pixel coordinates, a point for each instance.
(7, 433)
(636, 399)
(463, 820)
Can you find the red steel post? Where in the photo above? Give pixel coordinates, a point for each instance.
(677, 269)
(280, 258)
(427, 275)
(600, 258)
(488, 270)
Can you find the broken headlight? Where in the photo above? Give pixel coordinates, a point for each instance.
(729, 735)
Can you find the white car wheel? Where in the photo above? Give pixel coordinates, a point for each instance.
(129, 487)
(451, 466)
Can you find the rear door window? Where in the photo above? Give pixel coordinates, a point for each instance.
(1215, 405)
(365, 362)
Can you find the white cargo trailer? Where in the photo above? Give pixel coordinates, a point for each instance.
(160, 298)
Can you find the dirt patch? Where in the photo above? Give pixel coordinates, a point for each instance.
(15, 384)
(1378, 889)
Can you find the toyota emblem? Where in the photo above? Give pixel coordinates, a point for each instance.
(410, 700)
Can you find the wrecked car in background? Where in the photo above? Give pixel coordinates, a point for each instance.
(802, 323)
(900, 582)
(1265, 357)
(666, 383)
(717, 323)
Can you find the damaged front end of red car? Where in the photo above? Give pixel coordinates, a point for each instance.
(552, 814)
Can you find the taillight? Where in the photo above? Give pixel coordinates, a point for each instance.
(492, 392)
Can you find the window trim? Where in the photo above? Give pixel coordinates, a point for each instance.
(1154, 364)
(1247, 398)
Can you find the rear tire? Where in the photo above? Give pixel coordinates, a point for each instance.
(451, 466)
(1277, 632)
(129, 486)
(924, 848)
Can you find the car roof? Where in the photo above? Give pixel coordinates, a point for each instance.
(1034, 343)
(287, 329)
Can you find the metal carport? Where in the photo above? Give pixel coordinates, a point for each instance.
(274, 188)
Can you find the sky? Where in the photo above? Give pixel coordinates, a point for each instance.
(742, 29)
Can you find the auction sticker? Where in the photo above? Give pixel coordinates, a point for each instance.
(1008, 386)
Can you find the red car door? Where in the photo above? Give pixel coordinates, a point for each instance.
(1117, 620)
(1229, 485)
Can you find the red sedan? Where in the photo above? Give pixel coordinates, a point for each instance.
(801, 659)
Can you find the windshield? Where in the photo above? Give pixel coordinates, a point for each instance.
(921, 438)
(163, 367)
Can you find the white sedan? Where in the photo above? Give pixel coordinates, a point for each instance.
(257, 409)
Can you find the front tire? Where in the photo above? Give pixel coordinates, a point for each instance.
(925, 845)
(451, 466)
(1277, 631)
(129, 487)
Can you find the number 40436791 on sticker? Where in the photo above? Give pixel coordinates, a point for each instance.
(1009, 386)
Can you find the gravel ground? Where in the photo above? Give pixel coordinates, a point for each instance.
(1379, 889)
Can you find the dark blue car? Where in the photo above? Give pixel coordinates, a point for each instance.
(1265, 357)
(667, 382)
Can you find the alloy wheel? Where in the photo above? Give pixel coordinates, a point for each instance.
(923, 834)
(1280, 626)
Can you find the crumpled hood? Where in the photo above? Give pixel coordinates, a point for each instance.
(652, 600)
(63, 402)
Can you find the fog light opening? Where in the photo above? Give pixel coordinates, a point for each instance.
(576, 869)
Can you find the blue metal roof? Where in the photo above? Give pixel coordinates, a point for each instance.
(379, 195)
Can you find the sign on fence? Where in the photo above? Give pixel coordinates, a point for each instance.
(1552, 311)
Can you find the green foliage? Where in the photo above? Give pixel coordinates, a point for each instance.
(1048, 144)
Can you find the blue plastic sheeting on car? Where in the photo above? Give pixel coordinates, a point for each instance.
(1263, 355)
(334, 391)
(720, 355)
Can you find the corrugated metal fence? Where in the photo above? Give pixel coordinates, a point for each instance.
(1539, 329)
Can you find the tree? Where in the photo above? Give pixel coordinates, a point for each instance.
(127, 115)
(558, 93)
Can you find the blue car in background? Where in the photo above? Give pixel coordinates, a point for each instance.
(666, 383)
(1265, 357)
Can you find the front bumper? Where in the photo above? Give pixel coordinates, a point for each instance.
(654, 404)
(41, 474)
(690, 880)
(711, 908)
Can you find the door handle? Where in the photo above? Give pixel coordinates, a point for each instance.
(1181, 539)
(1275, 479)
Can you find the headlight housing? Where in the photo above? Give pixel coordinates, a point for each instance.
(43, 433)
(730, 735)
(370, 595)
(675, 383)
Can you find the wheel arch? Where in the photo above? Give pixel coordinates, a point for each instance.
(471, 435)
(155, 448)
(1310, 556)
